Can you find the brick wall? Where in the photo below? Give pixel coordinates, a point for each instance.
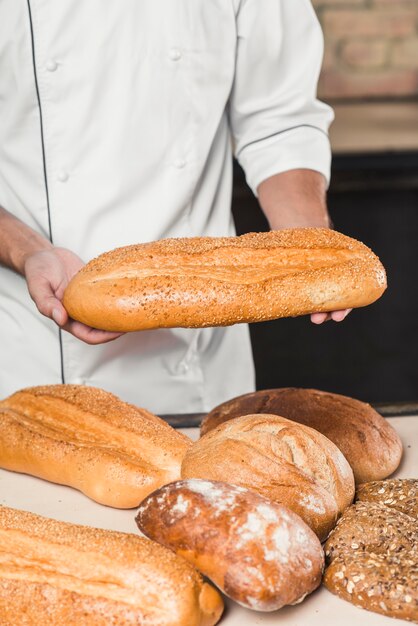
(371, 48)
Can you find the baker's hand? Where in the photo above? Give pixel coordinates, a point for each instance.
(337, 316)
(47, 274)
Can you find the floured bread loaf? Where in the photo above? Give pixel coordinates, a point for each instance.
(89, 439)
(373, 554)
(258, 552)
(367, 440)
(216, 281)
(58, 574)
(283, 461)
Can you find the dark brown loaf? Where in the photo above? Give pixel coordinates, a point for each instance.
(283, 461)
(89, 439)
(206, 281)
(258, 552)
(58, 574)
(373, 560)
(367, 440)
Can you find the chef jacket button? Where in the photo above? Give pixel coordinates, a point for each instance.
(63, 176)
(175, 54)
(179, 163)
(51, 65)
(78, 381)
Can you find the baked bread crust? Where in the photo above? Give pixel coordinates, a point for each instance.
(218, 281)
(373, 560)
(286, 462)
(398, 493)
(259, 553)
(367, 440)
(89, 439)
(59, 574)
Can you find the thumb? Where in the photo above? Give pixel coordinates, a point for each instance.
(42, 293)
(59, 314)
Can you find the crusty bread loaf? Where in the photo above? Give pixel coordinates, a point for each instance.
(207, 281)
(371, 527)
(398, 493)
(87, 438)
(373, 560)
(257, 552)
(58, 574)
(284, 461)
(367, 440)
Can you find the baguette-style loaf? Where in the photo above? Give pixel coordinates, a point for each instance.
(373, 560)
(59, 574)
(209, 281)
(369, 443)
(257, 552)
(283, 461)
(89, 439)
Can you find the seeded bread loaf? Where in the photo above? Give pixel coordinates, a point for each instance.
(89, 439)
(398, 493)
(367, 440)
(283, 461)
(372, 554)
(259, 553)
(217, 281)
(59, 574)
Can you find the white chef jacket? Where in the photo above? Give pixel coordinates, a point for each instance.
(116, 121)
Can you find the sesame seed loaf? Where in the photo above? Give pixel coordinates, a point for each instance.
(258, 552)
(89, 439)
(286, 462)
(367, 440)
(58, 574)
(217, 281)
(372, 557)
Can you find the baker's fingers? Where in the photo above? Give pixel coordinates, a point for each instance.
(320, 318)
(59, 314)
(336, 316)
(43, 294)
(89, 335)
(339, 316)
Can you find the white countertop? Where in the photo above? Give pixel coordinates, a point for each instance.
(320, 609)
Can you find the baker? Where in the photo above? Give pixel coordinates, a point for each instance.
(116, 122)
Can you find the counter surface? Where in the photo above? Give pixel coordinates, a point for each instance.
(320, 609)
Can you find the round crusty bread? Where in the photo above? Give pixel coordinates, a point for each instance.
(398, 493)
(59, 574)
(373, 560)
(367, 440)
(89, 439)
(217, 281)
(286, 462)
(258, 552)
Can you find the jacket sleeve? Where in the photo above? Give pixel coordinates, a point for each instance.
(277, 122)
